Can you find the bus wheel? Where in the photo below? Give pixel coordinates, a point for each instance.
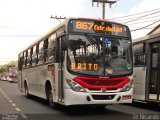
(26, 90)
(50, 100)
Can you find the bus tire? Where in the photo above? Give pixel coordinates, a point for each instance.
(50, 98)
(26, 92)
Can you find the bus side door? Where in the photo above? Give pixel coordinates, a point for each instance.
(59, 60)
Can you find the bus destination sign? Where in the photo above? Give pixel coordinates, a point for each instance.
(91, 26)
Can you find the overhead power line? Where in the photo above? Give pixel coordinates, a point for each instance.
(145, 26)
(140, 17)
(148, 17)
(151, 17)
(144, 21)
(127, 16)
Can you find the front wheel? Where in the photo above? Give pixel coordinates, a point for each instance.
(50, 100)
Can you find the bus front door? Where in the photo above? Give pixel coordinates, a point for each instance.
(60, 75)
(154, 73)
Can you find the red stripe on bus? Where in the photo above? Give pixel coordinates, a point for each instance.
(98, 83)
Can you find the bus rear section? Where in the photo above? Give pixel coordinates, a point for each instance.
(80, 62)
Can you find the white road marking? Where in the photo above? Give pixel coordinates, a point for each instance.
(13, 104)
(8, 98)
(23, 115)
(18, 109)
(10, 101)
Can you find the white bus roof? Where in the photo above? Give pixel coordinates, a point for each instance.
(145, 38)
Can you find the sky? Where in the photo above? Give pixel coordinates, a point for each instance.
(23, 21)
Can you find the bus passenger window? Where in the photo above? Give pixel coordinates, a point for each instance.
(29, 58)
(20, 61)
(139, 54)
(25, 58)
(45, 47)
(51, 48)
(40, 52)
(34, 56)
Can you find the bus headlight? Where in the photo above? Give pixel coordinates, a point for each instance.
(75, 86)
(127, 87)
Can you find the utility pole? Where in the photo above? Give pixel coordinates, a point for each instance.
(57, 18)
(104, 2)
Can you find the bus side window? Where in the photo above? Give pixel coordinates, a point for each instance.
(21, 61)
(40, 52)
(139, 60)
(51, 48)
(45, 48)
(25, 58)
(34, 56)
(29, 58)
(139, 54)
(24, 54)
(59, 52)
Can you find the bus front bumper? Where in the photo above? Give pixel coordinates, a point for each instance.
(81, 98)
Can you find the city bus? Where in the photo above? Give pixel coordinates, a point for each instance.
(12, 74)
(147, 69)
(72, 64)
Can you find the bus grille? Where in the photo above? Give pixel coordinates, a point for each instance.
(103, 97)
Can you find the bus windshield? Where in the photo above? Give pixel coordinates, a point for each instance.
(99, 55)
(13, 72)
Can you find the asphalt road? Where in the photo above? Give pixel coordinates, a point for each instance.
(15, 106)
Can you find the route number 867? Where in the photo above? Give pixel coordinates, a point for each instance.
(84, 25)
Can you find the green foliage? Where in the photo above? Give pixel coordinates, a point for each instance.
(5, 68)
(2, 70)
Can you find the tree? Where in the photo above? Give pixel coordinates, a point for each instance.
(2, 70)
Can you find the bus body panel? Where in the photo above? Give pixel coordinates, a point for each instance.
(36, 79)
(139, 78)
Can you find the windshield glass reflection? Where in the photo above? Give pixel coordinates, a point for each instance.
(99, 55)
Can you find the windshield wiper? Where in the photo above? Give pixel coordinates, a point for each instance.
(90, 38)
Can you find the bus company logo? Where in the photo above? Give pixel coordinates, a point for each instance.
(104, 89)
